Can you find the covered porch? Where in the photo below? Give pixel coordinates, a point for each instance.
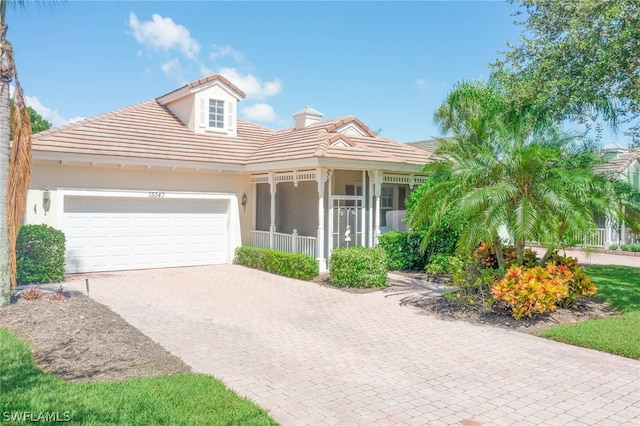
(314, 211)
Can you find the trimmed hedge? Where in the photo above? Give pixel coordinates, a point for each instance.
(40, 254)
(358, 267)
(402, 249)
(300, 266)
(626, 247)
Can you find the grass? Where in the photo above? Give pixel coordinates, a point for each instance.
(620, 287)
(178, 399)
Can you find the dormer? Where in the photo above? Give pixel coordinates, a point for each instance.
(209, 105)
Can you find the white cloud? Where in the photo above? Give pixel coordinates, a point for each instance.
(172, 69)
(259, 112)
(164, 34)
(423, 84)
(223, 51)
(250, 85)
(51, 115)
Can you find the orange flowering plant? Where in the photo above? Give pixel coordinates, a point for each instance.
(533, 290)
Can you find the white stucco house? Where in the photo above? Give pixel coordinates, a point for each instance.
(624, 165)
(181, 180)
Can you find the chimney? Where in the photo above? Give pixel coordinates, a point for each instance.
(306, 117)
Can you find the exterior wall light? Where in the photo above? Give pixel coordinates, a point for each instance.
(244, 201)
(46, 200)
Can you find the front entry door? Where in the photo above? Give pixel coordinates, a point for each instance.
(346, 223)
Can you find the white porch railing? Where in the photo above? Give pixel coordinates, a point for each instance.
(290, 243)
(596, 239)
(260, 239)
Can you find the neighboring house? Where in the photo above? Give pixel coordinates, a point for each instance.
(181, 180)
(622, 164)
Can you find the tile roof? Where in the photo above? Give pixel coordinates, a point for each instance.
(149, 130)
(429, 145)
(615, 166)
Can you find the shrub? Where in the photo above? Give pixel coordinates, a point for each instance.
(40, 254)
(31, 293)
(614, 247)
(438, 264)
(485, 255)
(579, 284)
(631, 247)
(358, 267)
(443, 264)
(441, 239)
(533, 290)
(402, 250)
(300, 266)
(57, 295)
(472, 284)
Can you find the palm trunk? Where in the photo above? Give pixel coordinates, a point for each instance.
(7, 72)
(497, 244)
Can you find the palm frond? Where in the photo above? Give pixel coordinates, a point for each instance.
(19, 174)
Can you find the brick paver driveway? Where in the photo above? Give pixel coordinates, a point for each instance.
(316, 355)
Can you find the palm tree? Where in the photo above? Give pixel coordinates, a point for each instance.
(502, 169)
(15, 173)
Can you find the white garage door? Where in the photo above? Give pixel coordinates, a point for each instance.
(110, 233)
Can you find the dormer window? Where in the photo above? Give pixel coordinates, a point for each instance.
(216, 114)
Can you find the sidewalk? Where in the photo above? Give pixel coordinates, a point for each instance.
(605, 258)
(600, 257)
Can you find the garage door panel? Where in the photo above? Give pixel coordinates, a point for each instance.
(106, 233)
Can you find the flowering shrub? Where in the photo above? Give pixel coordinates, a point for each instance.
(533, 290)
(486, 257)
(580, 284)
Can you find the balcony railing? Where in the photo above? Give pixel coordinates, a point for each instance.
(290, 243)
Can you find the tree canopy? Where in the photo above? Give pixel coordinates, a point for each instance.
(38, 123)
(577, 60)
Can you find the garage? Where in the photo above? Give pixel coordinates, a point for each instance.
(110, 232)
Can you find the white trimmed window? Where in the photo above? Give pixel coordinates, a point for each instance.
(216, 114)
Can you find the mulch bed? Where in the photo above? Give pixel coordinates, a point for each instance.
(78, 339)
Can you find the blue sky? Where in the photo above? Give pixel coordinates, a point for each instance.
(388, 63)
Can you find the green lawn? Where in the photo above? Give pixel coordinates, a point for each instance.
(179, 399)
(620, 287)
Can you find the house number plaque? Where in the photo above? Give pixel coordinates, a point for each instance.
(156, 195)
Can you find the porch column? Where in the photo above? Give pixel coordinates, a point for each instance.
(321, 177)
(608, 232)
(376, 176)
(272, 227)
(370, 207)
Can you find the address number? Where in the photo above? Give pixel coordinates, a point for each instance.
(156, 194)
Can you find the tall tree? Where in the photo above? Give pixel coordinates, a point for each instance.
(15, 161)
(38, 122)
(577, 60)
(503, 168)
